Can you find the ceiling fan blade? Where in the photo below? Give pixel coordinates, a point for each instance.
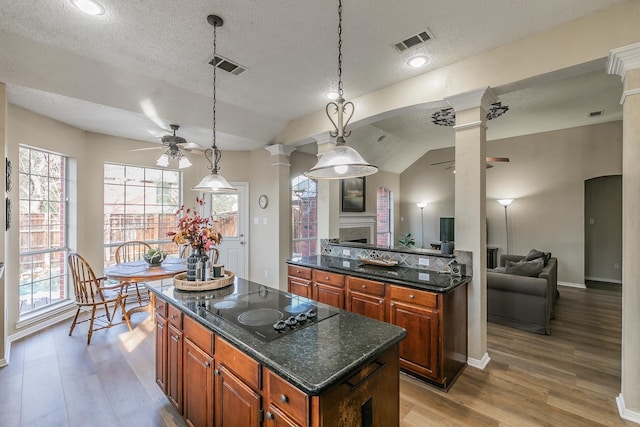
(150, 148)
(441, 163)
(453, 166)
(497, 159)
(191, 146)
(489, 165)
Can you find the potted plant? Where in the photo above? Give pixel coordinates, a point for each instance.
(407, 240)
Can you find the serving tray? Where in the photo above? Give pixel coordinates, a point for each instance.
(180, 282)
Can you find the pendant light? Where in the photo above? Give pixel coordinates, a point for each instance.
(341, 161)
(214, 183)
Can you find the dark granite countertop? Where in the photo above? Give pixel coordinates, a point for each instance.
(315, 358)
(420, 279)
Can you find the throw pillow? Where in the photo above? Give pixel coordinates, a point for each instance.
(525, 268)
(533, 254)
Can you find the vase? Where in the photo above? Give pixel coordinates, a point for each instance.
(196, 264)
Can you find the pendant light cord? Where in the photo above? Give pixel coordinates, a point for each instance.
(213, 154)
(340, 90)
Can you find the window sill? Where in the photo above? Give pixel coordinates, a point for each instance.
(39, 319)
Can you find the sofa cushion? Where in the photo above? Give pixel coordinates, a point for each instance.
(535, 254)
(525, 268)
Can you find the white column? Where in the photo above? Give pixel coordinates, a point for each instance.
(3, 133)
(280, 161)
(470, 213)
(625, 61)
(328, 197)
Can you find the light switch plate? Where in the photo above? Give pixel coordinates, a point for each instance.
(346, 252)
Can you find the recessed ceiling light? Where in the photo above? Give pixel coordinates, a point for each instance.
(332, 95)
(417, 61)
(89, 7)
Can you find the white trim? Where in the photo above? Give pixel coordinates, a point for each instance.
(625, 413)
(280, 164)
(31, 327)
(482, 97)
(479, 364)
(628, 93)
(469, 125)
(353, 221)
(572, 285)
(43, 316)
(603, 279)
(623, 59)
(280, 150)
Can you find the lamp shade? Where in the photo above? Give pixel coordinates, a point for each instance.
(163, 160)
(421, 205)
(184, 162)
(341, 162)
(505, 202)
(214, 183)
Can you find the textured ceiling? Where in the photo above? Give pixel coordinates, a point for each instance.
(144, 65)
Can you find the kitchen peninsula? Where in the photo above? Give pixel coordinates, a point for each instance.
(430, 304)
(331, 368)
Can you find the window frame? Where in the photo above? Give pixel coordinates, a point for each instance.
(390, 230)
(310, 226)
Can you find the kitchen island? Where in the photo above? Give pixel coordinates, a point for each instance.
(333, 368)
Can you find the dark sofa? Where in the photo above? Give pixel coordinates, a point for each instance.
(520, 301)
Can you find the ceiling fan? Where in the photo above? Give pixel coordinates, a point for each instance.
(175, 146)
(488, 161)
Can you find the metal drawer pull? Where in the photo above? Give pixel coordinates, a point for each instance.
(364, 286)
(363, 380)
(410, 296)
(216, 372)
(326, 278)
(160, 325)
(175, 338)
(269, 416)
(283, 398)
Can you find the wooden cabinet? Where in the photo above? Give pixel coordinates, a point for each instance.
(197, 374)
(299, 281)
(174, 368)
(161, 351)
(366, 297)
(328, 288)
(286, 404)
(273, 417)
(238, 382)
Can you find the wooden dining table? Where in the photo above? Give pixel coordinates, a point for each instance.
(136, 272)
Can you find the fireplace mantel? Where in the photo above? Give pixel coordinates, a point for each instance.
(358, 227)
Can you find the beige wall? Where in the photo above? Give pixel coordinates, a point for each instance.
(545, 177)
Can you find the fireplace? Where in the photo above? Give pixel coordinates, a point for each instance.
(357, 229)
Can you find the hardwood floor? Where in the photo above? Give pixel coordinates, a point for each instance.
(570, 378)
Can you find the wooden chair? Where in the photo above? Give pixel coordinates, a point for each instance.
(133, 250)
(91, 295)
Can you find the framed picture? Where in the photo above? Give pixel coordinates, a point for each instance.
(353, 194)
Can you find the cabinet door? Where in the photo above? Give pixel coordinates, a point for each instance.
(300, 287)
(174, 368)
(276, 418)
(236, 403)
(367, 305)
(419, 350)
(161, 352)
(197, 394)
(329, 294)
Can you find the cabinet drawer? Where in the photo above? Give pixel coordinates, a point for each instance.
(174, 317)
(414, 296)
(365, 286)
(293, 402)
(160, 307)
(301, 272)
(198, 334)
(243, 366)
(327, 278)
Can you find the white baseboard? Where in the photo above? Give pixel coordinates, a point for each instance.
(479, 364)
(626, 413)
(603, 279)
(572, 285)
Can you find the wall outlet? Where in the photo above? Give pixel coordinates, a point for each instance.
(266, 274)
(423, 261)
(616, 266)
(256, 220)
(264, 221)
(346, 264)
(423, 276)
(592, 221)
(346, 252)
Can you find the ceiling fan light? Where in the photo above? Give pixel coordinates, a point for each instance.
(341, 162)
(163, 160)
(333, 95)
(184, 162)
(214, 183)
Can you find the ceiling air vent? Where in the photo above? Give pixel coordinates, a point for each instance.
(227, 65)
(413, 41)
(596, 113)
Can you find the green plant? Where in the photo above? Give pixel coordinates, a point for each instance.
(155, 256)
(407, 240)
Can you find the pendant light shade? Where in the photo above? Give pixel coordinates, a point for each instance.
(214, 182)
(341, 161)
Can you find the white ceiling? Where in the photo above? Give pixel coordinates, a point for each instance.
(144, 65)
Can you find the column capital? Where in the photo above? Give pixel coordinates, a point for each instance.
(624, 59)
(280, 149)
(482, 97)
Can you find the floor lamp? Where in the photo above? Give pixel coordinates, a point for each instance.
(506, 203)
(421, 205)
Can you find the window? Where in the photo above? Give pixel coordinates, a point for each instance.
(139, 204)
(224, 211)
(384, 217)
(304, 216)
(43, 229)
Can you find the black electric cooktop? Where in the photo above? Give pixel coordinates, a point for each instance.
(269, 313)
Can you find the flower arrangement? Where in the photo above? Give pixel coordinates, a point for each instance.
(194, 229)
